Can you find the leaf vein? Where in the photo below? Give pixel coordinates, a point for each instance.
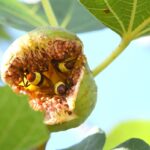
(116, 16)
(133, 12)
(143, 32)
(36, 18)
(138, 29)
(20, 17)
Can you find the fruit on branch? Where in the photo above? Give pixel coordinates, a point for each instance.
(49, 66)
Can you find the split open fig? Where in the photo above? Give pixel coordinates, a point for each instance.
(49, 66)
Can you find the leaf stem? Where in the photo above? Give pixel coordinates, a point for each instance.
(49, 13)
(121, 47)
(141, 27)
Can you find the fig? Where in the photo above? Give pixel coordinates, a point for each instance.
(49, 66)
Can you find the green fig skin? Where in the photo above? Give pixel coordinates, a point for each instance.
(85, 103)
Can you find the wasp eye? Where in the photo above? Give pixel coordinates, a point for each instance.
(62, 67)
(34, 78)
(66, 66)
(60, 88)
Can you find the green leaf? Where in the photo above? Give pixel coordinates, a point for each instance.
(80, 19)
(92, 142)
(127, 130)
(4, 34)
(133, 144)
(19, 15)
(26, 17)
(128, 17)
(20, 127)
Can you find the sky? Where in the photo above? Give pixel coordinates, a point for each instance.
(123, 87)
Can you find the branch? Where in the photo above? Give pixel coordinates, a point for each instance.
(49, 13)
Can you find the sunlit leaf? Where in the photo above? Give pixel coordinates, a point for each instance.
(20, 127)
(128, 130)
(133, 144)
(123, 16)
(93, 142)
